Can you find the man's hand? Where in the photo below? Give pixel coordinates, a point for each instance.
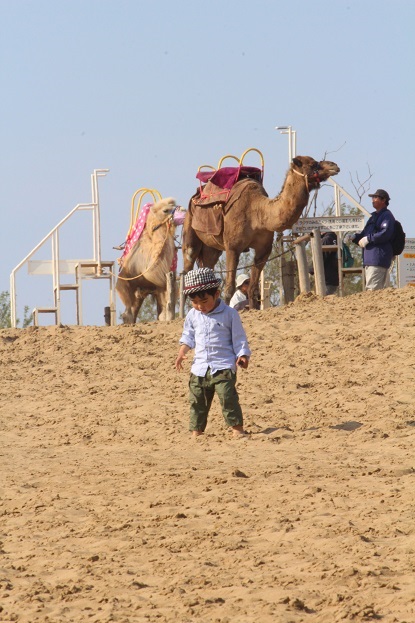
(363, 242)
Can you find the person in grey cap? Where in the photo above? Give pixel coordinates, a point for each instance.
(216, 333)
(375, 240)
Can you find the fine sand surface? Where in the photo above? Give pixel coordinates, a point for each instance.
(111, 512)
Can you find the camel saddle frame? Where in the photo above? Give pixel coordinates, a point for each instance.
(211, 201)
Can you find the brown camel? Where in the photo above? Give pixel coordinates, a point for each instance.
(250, 219)
(146, 265)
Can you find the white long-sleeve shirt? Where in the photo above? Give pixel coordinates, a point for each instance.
(238, 297)
(217, 337)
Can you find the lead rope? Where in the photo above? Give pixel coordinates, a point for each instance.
(274, 257)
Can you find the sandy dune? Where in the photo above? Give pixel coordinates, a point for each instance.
(110, 512)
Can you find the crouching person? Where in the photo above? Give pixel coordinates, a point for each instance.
(214, 330)
(240, 298)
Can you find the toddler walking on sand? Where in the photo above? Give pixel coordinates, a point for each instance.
(216, 333)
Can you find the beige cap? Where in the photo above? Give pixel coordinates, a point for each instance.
(241, 279)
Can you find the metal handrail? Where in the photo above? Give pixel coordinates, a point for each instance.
(54, 235)
(339, 189)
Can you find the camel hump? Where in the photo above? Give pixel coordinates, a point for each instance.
(243, 186)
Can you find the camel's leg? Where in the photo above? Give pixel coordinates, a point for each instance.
(127, 316)
(208, 257)
(232, 259)
(140, 298)
(125, 292)
(127, 295)
(161, 301)
(260, 259)
(205, 256)
(133, 304)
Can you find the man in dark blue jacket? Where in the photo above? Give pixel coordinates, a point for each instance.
(375, 240)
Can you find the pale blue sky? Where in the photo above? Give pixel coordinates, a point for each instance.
(151, 90)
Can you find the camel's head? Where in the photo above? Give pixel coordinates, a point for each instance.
(160, 213)
(164, 208)
(314, 172)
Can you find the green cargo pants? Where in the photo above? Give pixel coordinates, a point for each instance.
(201, 392)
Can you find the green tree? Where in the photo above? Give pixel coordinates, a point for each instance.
(148, 311)
(5, 319)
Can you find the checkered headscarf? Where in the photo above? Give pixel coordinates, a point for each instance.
(199, 280)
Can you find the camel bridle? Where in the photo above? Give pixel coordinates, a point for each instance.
(314, 177)
(169, 217)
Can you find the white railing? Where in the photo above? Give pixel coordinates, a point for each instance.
(53, 236)
(338, 191)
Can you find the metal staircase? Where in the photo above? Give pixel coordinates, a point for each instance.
(81, 269)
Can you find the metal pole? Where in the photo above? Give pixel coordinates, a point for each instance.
(339, 237)
(337, 201)
(98, 227)
(96, 216)
(113, 299)
(292, 140)
(56, 275)
(78, 274)
(13, 299)
(94, 220)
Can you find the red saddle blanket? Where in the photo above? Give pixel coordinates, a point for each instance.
(217, 184)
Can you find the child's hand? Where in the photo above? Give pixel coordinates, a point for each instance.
(242, 362)
(179, 361)
(184, 349)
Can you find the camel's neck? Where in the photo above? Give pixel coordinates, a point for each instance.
(285, 210)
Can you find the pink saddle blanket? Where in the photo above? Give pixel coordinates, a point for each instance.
(137, 230)
(135, 235)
